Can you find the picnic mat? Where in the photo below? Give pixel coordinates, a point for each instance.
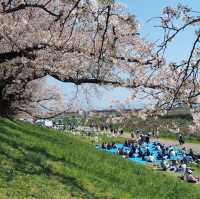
(179, 153)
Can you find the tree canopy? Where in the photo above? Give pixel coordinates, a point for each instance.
(95, 42)
(73, 41)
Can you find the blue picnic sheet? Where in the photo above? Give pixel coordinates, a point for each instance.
(179, 153)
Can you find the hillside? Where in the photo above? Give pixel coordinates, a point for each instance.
(44, 164)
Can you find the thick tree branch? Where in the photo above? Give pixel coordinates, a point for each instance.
(27, 5)
(26, 52)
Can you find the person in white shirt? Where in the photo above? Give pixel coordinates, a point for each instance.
(190, 178)
(183, 168)
(151, 158)
(164, 165)
(172, 153)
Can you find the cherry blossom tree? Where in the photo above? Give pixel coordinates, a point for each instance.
(77, 41)
(175, 21)
(184, 81)
(179, 82)
(41, 100)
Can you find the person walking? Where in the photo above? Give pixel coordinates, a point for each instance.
(181, 139)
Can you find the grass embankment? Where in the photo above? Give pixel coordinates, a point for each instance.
(41, 163)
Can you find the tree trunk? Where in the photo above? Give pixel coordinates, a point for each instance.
(5, 108)
(4, 104)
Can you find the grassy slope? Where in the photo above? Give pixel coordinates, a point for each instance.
(41, 163)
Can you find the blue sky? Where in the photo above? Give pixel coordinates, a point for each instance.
(146, 9)
(143, 10)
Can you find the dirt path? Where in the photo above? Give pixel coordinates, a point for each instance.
(194, 146)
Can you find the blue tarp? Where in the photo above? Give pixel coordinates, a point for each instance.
(179, 153)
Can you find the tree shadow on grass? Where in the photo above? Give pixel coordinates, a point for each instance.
(21, 146)
(31, 162)
(44, 153)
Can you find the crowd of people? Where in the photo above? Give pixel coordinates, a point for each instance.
(166, 157)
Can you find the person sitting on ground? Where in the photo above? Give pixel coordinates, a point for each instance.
(190, 178)
(163, 151)
(109, 146)
(120, 151)
(141, 140)
(143, 156)
(148, 152)
(172, 153)
(133, 148)
(114, 145)
(147, 139)
(151, 158)
(150, 134)
(164, 165)
(126, 144)
(103, 146)
(197, 158)
(160, 156)
(157, 147)
(191, 153)
(183, 149)
(140, 153)
(182, 167)
(174, 166)
(136, 154)
(130, 154)
(154, 144)
(162, 146)
(187, 158)
(130, 142)
(137, 132)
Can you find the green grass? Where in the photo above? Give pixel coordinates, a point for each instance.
(107, 139)
(37, 163)
(195, 168)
